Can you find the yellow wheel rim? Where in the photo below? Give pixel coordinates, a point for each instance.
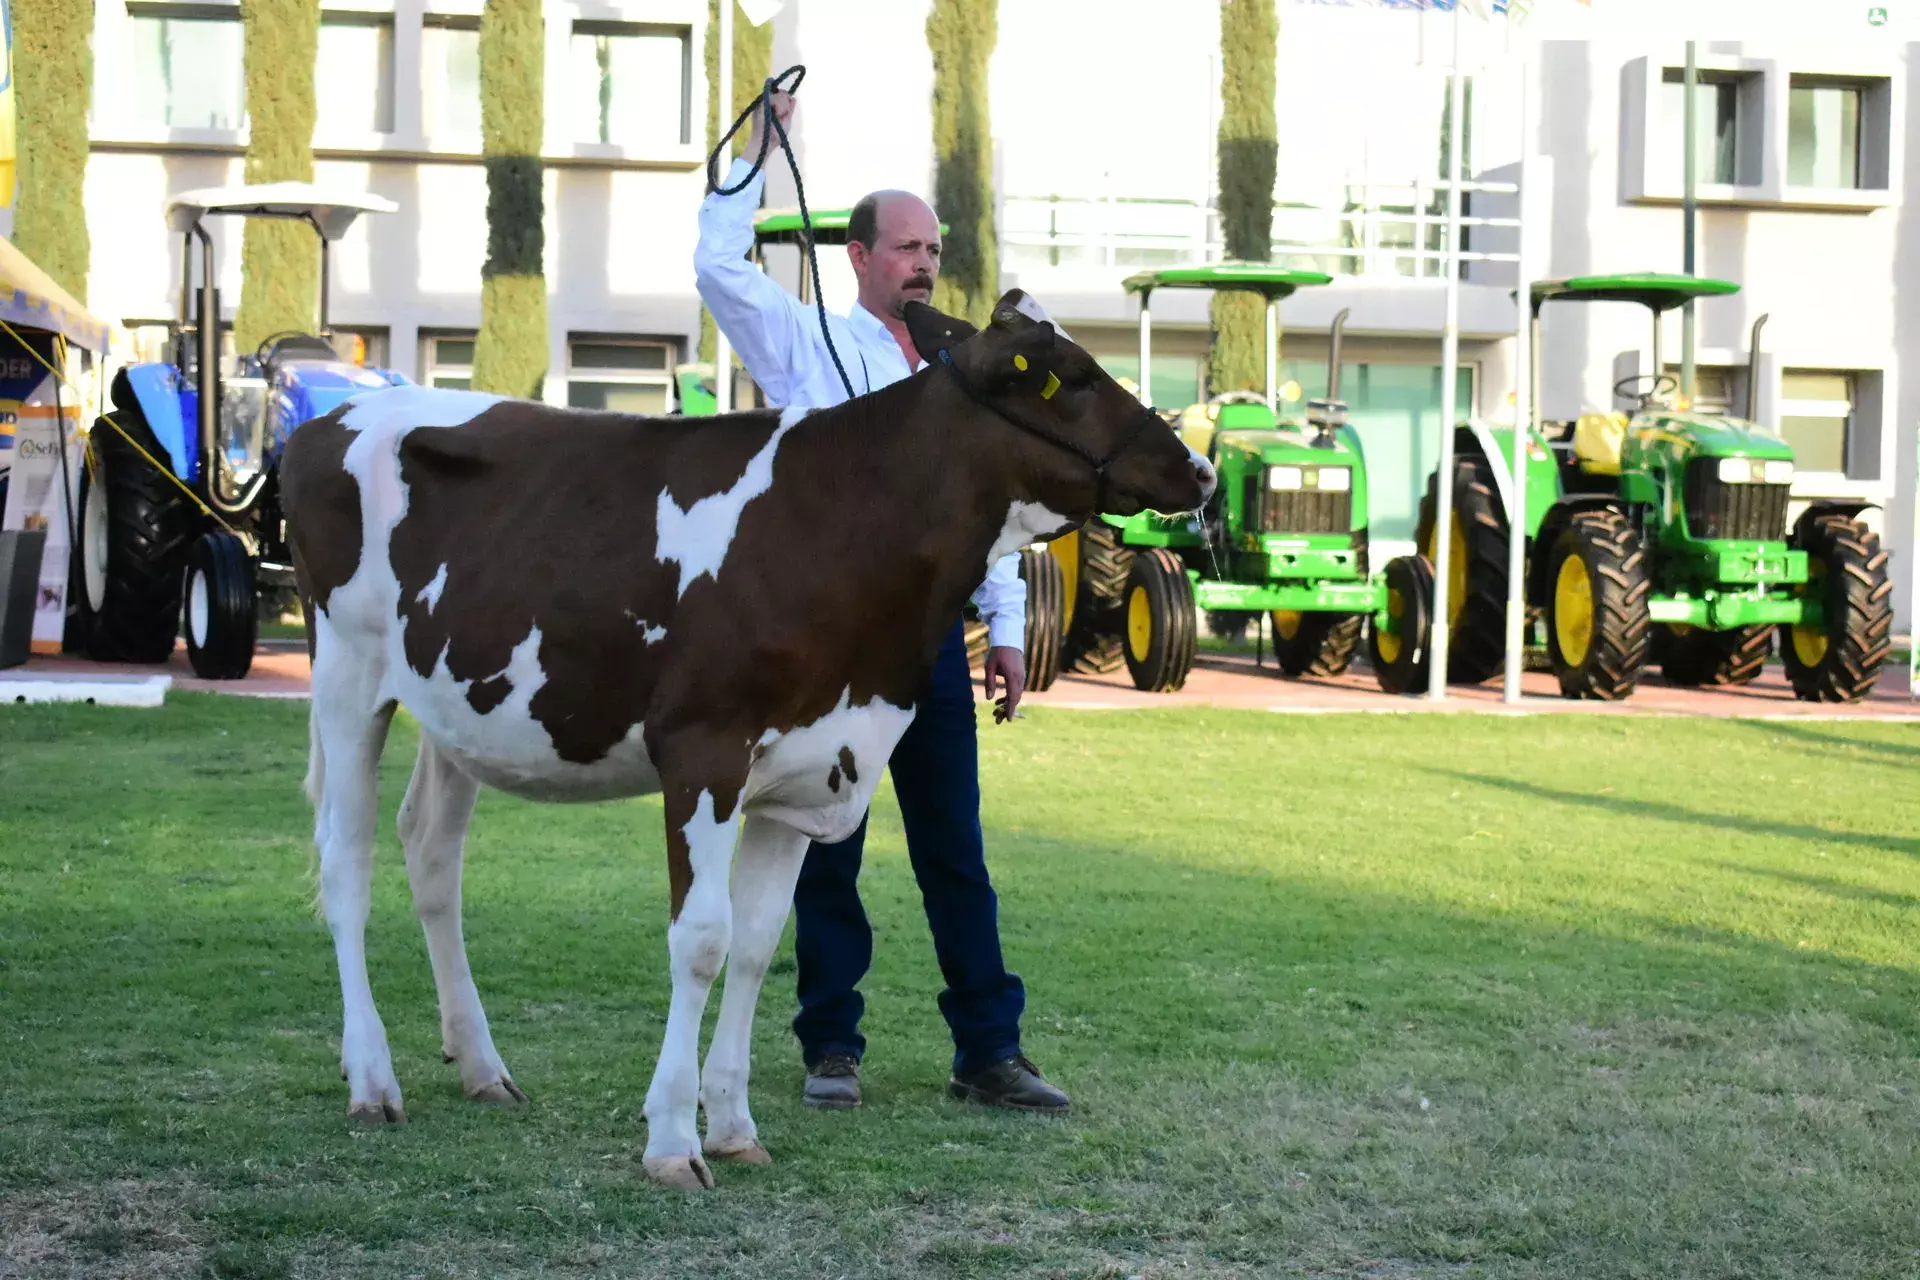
(1810, 643)
(1067, 551)
(1456, 568)
(1388, 642)
(1573, 610)
(1139, 624)
(1286, 623)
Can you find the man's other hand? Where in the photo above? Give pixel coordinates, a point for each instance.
(783, 111)
(1005, 665)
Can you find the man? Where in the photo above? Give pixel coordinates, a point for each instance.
(894, 245)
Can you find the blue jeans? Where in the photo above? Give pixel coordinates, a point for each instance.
(936, 778)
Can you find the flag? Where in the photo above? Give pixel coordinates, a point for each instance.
(6, 106)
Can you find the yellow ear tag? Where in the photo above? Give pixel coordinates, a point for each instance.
(1020, 363)
(1053, 385)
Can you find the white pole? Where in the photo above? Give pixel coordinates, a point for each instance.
(1449, 366)
(723, 103)
(1523, 393)
(1273, 371)
(1146, 352)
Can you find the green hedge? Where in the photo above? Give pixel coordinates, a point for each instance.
(962, 34)
(1248, 154)
(752, 64)
(510, 357)
(279, 261)
(53, 78)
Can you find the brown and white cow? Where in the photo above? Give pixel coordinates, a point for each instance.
(735, 612)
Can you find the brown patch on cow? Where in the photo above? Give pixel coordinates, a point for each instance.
(833, 779)
(484, 695)
(322, 504)
(846, 763)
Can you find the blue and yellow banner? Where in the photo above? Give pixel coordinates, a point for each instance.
(6, 105)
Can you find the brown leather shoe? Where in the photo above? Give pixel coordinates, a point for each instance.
(1014, 1083)
(834, 1081)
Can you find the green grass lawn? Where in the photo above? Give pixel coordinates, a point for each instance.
(1380, 996)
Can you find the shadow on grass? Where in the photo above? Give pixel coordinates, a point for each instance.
(1628, 806)
(1804, 733)
(1833, 888)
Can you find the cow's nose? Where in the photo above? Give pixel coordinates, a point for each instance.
(1209, 478)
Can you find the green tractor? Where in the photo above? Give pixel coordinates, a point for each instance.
(1046, 592)
(1285, 535)
(1659, 537)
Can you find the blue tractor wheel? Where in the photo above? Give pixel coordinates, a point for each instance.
(222, 621)
(135, 527)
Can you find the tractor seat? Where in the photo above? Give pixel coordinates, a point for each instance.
(1597, 438)
(300, 346)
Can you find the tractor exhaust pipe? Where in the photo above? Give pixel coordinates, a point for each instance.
(1333, 355)
(209, 371)
(1753, 370)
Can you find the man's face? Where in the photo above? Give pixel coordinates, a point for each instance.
(905, 258)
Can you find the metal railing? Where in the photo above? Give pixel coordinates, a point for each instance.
(1383, 229)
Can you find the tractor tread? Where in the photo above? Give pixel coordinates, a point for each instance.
(1861, 594)
(150, 528)
(1622, 630)
(1323, 647)
(1095, 642)
(1477, 641)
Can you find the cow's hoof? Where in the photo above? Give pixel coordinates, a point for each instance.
(501, 1093)
(748, 1152)
(681, 1173)
(372, 1114)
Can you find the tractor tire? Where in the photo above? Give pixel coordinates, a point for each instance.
(222, 621)
(1046, 617)
(1228, 624)
(1476, 569)
(1847, 567)
(976, 634)
(1694, 656)
(1402, 662)
(1315, 644)
(134, 530)
(1096, 640)
(1598, 629)
(1160, 622)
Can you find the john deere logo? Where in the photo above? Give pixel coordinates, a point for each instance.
(1877, 16)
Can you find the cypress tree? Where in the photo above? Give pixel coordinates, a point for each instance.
(752, 64)
(1248, 155)
(53, 78)
(279, 259)
(510, 356)
(962, 34)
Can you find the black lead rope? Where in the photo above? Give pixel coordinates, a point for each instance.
(777, 84)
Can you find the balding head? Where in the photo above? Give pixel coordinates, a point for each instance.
(893, 241)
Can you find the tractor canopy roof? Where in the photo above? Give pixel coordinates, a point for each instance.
(1260, 277)
(331, 209)
(784, 226)
(1654, 290)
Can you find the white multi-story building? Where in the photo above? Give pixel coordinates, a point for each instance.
(1104, 114)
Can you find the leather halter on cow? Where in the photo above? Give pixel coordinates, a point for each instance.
(735, 612)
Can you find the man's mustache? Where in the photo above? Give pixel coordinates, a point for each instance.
(919, 282)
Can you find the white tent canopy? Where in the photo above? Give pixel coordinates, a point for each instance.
(333, 208)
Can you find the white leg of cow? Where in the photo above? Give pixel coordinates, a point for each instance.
(433, 828)
(697, 947)
(764, 872)
(352, 729)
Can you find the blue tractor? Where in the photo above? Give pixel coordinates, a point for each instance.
(192, 550)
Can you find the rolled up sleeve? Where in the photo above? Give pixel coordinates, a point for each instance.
(764, 323)
(1003, 603)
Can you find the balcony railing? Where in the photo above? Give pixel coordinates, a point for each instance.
(1383, 229)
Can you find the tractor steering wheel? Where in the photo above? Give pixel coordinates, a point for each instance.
(1238, 397)
(260, 352)
(1661, 386)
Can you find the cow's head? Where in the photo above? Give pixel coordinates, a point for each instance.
(1098, 447)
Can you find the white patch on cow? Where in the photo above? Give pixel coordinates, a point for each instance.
(402, 408)
(653, 635)
(792, 776)
(698, 537)
(1209, 478)
(431, 592)
(1029, 306)
(1026, 522)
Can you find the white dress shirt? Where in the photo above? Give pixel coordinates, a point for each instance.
(778, 338)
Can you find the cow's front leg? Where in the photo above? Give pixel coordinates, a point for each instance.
(764, 872)
(701, 832)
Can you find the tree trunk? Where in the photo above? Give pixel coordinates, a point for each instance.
(510, 356)
(53, 75)
(962, 34)
(1248, 153)
(279, 259)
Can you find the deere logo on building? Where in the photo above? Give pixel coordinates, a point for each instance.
(1877, 16)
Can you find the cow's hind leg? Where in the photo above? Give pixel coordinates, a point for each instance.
(433, 828)
(699, 850)
(764, 873)
(350, 729)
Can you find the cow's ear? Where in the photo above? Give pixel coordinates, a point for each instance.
(934, 331)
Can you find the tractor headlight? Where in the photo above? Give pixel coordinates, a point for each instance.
(1335, 479)
(1779, 471)
(1743, 471)
(1284, 478)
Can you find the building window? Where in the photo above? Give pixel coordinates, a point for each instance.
(631, 84)
(353, 73)
(1716, 120)
(446, 360)
(1823, 133)
(1817, 418)
(625, 375)
(1717, 389)
(187, 71)
(450, 80)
